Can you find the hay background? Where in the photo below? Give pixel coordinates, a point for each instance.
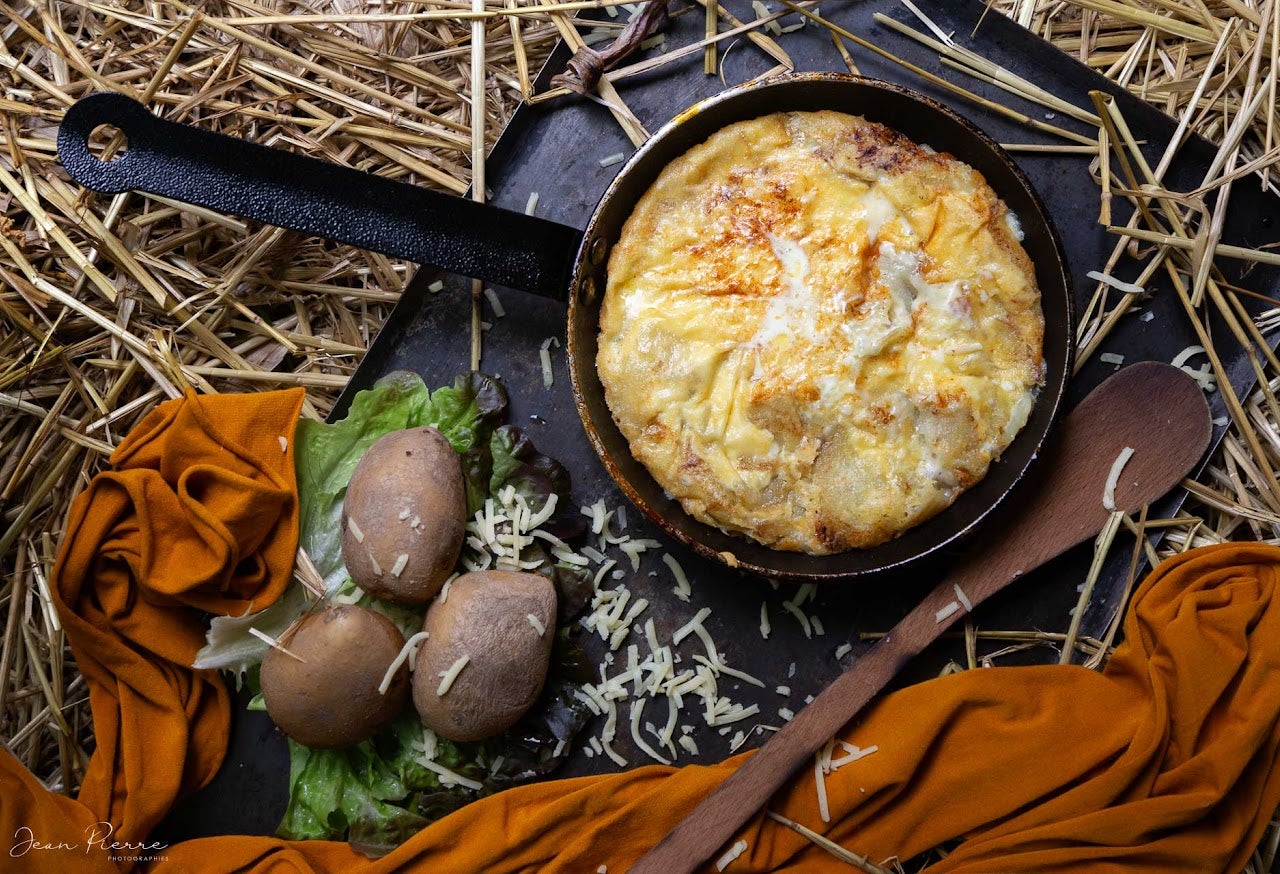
(109, 305)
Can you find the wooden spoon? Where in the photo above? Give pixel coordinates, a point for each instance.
(1155, 409)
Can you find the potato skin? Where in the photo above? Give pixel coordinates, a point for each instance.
(406, 497)
(332, 699)
(485, 617)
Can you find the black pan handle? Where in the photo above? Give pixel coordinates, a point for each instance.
(316, 197)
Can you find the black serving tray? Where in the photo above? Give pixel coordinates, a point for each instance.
(554, 149)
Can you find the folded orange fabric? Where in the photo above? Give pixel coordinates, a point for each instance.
(1165, 762)
(199, 512)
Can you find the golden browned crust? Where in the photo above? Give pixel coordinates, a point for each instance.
(817, 333)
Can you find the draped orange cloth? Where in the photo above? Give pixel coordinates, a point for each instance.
(1164, 762)
(200, 512)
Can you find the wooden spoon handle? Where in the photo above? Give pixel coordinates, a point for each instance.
(1155, 409)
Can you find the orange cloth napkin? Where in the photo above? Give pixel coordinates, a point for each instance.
(200, 512)
(1163, 763)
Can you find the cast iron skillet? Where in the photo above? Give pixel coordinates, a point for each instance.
(511, 249)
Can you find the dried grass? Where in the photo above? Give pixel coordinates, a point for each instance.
(109, 305)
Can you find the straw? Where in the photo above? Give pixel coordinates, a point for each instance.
(109, 305)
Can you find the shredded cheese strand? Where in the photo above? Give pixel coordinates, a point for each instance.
(408, 650)
(447, 677)
(731, 854)
(1113, 478)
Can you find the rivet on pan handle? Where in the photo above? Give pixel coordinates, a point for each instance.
(315, 197)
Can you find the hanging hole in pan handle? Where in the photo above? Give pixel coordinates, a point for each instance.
(95, 141)
(108, 143)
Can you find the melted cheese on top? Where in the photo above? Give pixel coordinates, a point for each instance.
(816, 333)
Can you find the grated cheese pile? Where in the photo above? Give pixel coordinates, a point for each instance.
(649, 684)
(499, 531)
(651, 675)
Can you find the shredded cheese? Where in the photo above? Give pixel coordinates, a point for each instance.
(284, 443)
(820, 781)
(408, 651)
(531, 205)
(436, 287)
(731, 854)
(689, 627)
(352, 597)
(429, 745)
(604, 569)
(719, 667)
(637, 710)
(795, 611)
(402, 561)
(1117, 284)
(853, 753)
(1113, 478)
(447, 777)
(947, 612)
(492, 295)
(682, 589)
(447, 677)
(355, 530)
(536, 623)
(1203, 375)
(647, 669)
(806, 592)
(962, 597)
(548, 375)
(615, 158)
(736, 713)
(765, 627)
(614, 754)
(843, 650)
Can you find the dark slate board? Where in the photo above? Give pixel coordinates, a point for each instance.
(554, 149)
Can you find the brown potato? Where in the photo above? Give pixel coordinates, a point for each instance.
(404, 516)
(485, 617)
(328, 696)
